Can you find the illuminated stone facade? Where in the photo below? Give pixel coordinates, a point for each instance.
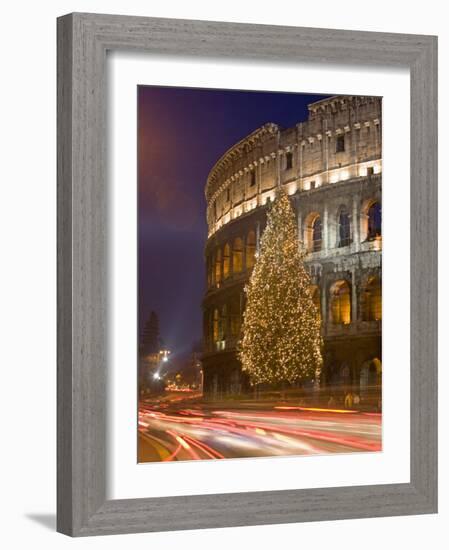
(331, 167)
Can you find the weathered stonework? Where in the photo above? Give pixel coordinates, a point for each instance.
(330, 166)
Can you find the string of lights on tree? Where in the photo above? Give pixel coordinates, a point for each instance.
(281, 339)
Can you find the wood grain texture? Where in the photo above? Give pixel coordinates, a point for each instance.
(83, 40)
(64, 276)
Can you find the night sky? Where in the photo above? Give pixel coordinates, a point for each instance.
(181, 134)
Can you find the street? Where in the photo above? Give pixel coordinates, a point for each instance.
(196, 430)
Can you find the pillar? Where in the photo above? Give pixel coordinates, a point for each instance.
(355, 225)
(257, 237)
(354, 315)
(299, 222)
(325, 228)
(324, 316)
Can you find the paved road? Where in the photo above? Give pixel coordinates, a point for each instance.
(206, 431)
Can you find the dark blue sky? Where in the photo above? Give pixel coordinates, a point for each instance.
(181, 134)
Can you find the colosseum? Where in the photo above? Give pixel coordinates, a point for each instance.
(331, 167)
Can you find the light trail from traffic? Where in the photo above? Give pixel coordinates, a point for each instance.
(201, 431)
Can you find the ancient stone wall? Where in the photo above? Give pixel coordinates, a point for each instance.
(330, 166)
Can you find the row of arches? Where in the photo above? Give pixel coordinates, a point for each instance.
(337, 379)
(239, 254)
(233, 258)
(371, 227)
(340, 311)
(362, 378)
(223, 323)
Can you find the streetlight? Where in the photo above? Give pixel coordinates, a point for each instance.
(163, 355)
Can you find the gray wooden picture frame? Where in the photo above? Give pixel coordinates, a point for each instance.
(83, 40)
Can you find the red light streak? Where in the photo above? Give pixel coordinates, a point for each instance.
(206, 448)
(173, 455)
(184, 443)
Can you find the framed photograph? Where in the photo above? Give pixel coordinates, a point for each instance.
(270, 345)
(247, 279)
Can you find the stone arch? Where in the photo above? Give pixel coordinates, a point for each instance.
(313, 232)
(250, 249)
(345, 375)
(235, 316)
(370, 375)
(223, 326)
(226, 261)
(371, 220)
(237, 255)
(215, 325)
(372, 300)
(218, 267)
(340, 303)
(344, 229)
(235, 383)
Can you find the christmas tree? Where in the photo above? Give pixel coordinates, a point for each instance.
(281, 325)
